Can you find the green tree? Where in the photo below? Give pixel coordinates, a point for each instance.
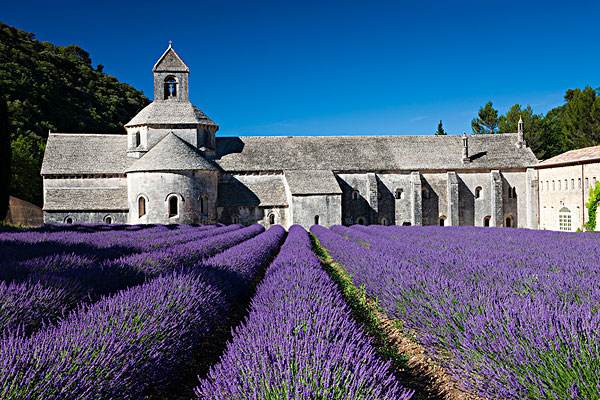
(592, 206)
(580, 118)
(440, 129)
(486, 121)
(5, 158)
(55, 88)
(535, 132)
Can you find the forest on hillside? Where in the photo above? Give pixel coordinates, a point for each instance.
(54, 88)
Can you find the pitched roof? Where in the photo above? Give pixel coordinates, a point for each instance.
(170, 61)
(303, 182)
(573, 157)
(161, 112)
(85, 199)
(252, 190)
(359, 153)
(171, 154)
(84, 153)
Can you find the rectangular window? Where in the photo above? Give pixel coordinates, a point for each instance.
(579, 183)
(572, 184)
(564, 222)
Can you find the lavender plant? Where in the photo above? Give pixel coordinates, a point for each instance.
(299, 340)
(509, 313)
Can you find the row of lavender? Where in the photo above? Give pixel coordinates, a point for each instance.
(41, 289)
(139, 342)
(299, 340)
(509, 313)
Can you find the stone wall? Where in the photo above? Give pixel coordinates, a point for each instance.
(555, 195)
(254, 215)
(328, 208)
(85, 217)
(157, 187)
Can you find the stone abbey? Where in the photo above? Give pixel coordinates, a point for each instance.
(171, 167)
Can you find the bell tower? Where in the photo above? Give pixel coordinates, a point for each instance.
(171, 77)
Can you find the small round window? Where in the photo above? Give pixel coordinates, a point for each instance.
(69, 220)
(108, 219)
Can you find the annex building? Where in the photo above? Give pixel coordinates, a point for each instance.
(171, 167)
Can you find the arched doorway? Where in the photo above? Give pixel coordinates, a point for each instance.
(509, 222)
(486, 221)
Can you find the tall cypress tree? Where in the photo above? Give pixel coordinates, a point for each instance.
(440, 129)
(5, 158)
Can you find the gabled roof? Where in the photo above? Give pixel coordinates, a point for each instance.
(85, 153)
(171, 113)
(370, 153)
(307, 182)
(252, 190)
(171, 154)
(85, 199)
(170, 62)
(584, 155)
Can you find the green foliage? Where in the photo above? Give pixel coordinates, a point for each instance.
(55, 88)
(486, 121)
(440, 129)
(5, 159)
(573, 125)
(592, 206)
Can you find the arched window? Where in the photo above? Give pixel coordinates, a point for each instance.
(235, 219)
(384, 221)
(173, 206)
(399, 194)
(510, 191)
(554, 186)
(141, 206)
(486, 221)
(442, 220)
(204, 204)
(69, 220)
(271, 219)
(360, 221)
(572, 184)
(406, 223)
(579, 183)
(425, 193)
(514, 192)
(108, 219)
(170, 87)
(478, 191)
(355, 194)
(137, 139)
(316, 220)
(564, 219)
(509, 222)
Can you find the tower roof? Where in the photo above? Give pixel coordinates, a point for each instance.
(169, 113)
(172, 154)
(170, 62)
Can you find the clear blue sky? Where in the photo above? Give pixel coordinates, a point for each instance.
(347, 67)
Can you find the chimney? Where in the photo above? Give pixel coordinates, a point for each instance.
(521, 134)
(465, 149)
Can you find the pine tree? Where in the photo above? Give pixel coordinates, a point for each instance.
(440, 129)
(486, 121)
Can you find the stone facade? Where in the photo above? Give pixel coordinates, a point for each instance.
(565, 182)
(171, 168)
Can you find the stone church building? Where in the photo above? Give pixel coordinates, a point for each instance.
(171, 167)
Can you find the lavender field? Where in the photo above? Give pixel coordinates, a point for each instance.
(233, 312)
(511, 314)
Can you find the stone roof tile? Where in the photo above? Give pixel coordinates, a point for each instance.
(307, 182)
(85, 199)
(169, 112)
(172, 154)
(82, 154)
(573, 157)
(252, 190)
(364, 153)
